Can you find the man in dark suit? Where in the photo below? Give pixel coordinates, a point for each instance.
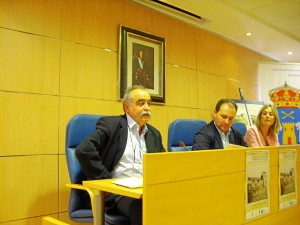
(116, 148)
(218, 133)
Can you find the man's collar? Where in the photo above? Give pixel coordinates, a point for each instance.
(131, 123)
(220, 132)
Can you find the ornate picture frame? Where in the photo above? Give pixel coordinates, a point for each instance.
(142, 62)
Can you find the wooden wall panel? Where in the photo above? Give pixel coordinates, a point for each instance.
(210, 89)
(30, 186)
(28, 124)
(251, 92)
(232, 88)
(181, 87)
(180, 50)
(229, 60)
(206, 115)
(38, 17)
(29, 63)
(95, 23)
(210, 50)
(88, 72)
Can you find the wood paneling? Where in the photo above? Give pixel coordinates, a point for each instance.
(29, 63)
(210, 88)
(29, 186)
(88, 72)
(94, 23)
(180, 50)
(209, 49)
(28, 124)
(34, 16)
(183, 82)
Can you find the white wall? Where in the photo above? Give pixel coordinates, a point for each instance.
(273, 75)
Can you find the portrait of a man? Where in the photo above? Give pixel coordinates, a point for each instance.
(143, 66)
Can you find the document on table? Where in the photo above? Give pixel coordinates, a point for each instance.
(234, 146)
(130, 182)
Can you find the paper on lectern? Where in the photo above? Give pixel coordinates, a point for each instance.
(130, 182)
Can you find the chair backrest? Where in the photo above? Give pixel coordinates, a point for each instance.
(241, 127)
(78, 128)
(182, 132)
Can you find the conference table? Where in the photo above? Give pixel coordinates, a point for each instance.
(101, 187)
(206, 187)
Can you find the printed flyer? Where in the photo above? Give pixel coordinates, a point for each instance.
(257, 183)
(287, 178)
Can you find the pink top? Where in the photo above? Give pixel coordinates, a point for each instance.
(254, 138)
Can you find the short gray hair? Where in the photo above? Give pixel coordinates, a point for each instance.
(128, 93)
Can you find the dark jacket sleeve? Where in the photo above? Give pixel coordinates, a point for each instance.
(237, 138)
(153, 140)
(204, 139)
(99, 153)
(208, 137)
(92, 152)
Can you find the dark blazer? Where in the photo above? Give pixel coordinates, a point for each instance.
(208, 137)
(100, 152)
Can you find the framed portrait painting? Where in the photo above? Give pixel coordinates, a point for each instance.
(142, 62)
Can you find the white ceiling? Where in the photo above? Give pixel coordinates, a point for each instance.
(274, 24)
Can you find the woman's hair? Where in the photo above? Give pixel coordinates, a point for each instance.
(273, 130)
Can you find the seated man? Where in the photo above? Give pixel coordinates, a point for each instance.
(116, 147)
(218, 133)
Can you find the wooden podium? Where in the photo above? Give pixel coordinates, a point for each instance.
(208, 187)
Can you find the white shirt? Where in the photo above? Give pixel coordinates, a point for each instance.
(224, 137)
(130, 163)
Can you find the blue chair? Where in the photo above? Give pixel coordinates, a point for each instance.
(78, 128)
(241, 127)
(181, 134)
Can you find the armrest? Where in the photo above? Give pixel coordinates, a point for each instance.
(89, 191)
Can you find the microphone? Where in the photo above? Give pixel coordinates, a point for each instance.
(182, 144)
(241, 93)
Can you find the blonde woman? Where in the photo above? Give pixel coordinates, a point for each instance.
(265, 130)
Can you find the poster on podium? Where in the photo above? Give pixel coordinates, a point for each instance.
(257, 183)
(287, 178)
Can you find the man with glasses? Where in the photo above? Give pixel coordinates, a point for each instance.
(116, 148)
